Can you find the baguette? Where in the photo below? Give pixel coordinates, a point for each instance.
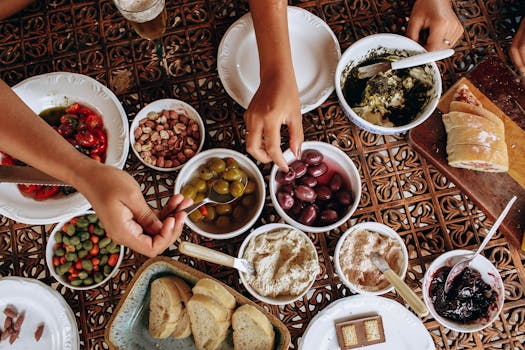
(209, 322)
(251, 329)
(165, 307)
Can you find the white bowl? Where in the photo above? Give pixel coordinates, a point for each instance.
(373, 227)
(189, 171)
(157, 106)
(50, 249)
(345, 166)
(283, 300)
(489, 274)
(357, 53)
(62, 89)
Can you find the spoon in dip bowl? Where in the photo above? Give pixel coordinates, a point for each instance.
(464, 261)
(211, 255)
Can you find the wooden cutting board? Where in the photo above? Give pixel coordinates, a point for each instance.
(496, 86)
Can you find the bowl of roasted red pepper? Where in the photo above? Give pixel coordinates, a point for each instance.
(90, 117)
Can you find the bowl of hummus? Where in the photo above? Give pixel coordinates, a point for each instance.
(285, 262)
(353, 263)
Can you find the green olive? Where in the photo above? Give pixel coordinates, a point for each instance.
(216, 164)
(196, 216)
(233, 174)
(248, 201)
(199, 184)
(239, 213)
(189, 191)
(221, 187)
(210, 183)
(231, 163)
(236, 189)
(223, 221)
(212, 213)
(223, 209)
(251, 186)
(205, 173)
(199, 197)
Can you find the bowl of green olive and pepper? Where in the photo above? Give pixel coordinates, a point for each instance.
(223, 171)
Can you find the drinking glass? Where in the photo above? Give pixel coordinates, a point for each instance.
(148, 17)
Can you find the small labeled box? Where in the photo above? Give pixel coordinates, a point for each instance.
(360, 332)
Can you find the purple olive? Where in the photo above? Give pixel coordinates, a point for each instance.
(323, 193)
(318, 170)
(344, 197)
(336, 182)
(299, 167)
(308, 215)
(328, 216)
(285, 200)
(285, 178)
(309, 181)
(295, 210)
(305, 193)
(288, 188)
(312, 157)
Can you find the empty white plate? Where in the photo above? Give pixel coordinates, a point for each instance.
(315, 53)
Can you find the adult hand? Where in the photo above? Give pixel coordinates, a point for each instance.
(439, 17)
(276, 102)
(118, 201)
(517, 50)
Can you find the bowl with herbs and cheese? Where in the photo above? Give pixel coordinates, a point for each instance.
(388, 102)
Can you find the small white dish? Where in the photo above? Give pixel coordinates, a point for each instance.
(403, 330)
(357, 53)
(158, 106)
(489, 274)
(269, 300)
(190, 170)
(62, 89)
(315, 53)
(343, 164)
(373, 227)
(50, 249)
(40, 304)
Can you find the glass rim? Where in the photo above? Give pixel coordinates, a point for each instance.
(116, 2)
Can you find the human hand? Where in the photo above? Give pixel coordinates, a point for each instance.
(517, 50)
(439, 17)
(118, 201)
(276, 102)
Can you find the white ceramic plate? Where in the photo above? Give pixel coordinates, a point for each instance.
(62, 89)
(60, 327)
(403, 330)
(315, 53)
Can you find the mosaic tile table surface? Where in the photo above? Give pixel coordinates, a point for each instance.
(400, 188)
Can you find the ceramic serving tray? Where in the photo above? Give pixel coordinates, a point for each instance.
(128, 326)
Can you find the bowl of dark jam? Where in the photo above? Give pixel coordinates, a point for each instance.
(474, 299)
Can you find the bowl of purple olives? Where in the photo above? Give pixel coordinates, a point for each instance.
(320, 191)
(475, 297)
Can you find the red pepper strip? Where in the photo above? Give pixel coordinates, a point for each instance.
(203, 210)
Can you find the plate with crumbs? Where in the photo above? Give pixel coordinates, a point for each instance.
(128, 327)
(402, 329)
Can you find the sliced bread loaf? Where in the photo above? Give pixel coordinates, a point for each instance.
(215, 291)
(165, 307)
(209, 322)
(251, 329)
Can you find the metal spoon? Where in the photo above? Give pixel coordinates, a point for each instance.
(464, 262)
(216, 198)
(211, 255)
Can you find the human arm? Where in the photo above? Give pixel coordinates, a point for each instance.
(10, 7)
(517, 50)
(439, 17)
(276, 101)
(114, 194)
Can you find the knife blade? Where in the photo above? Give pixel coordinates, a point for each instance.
(401, 287)
(27, 175)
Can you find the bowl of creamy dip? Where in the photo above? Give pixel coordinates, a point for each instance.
(285, 261)
(353, 263)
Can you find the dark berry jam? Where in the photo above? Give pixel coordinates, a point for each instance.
(468, 299)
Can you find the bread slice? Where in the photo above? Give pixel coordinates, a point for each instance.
(215, 291)
(183, 328)
(251, 329)
(475, 136)
(460, 119)
(165, 307)
(209, 322)
(457, 106)
(478, 157)
(464, 94)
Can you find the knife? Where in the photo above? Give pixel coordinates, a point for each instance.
(411, 61)
(27, 175)
(401, 287)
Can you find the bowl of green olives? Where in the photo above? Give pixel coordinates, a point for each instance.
(79, 253)
(224, 171)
